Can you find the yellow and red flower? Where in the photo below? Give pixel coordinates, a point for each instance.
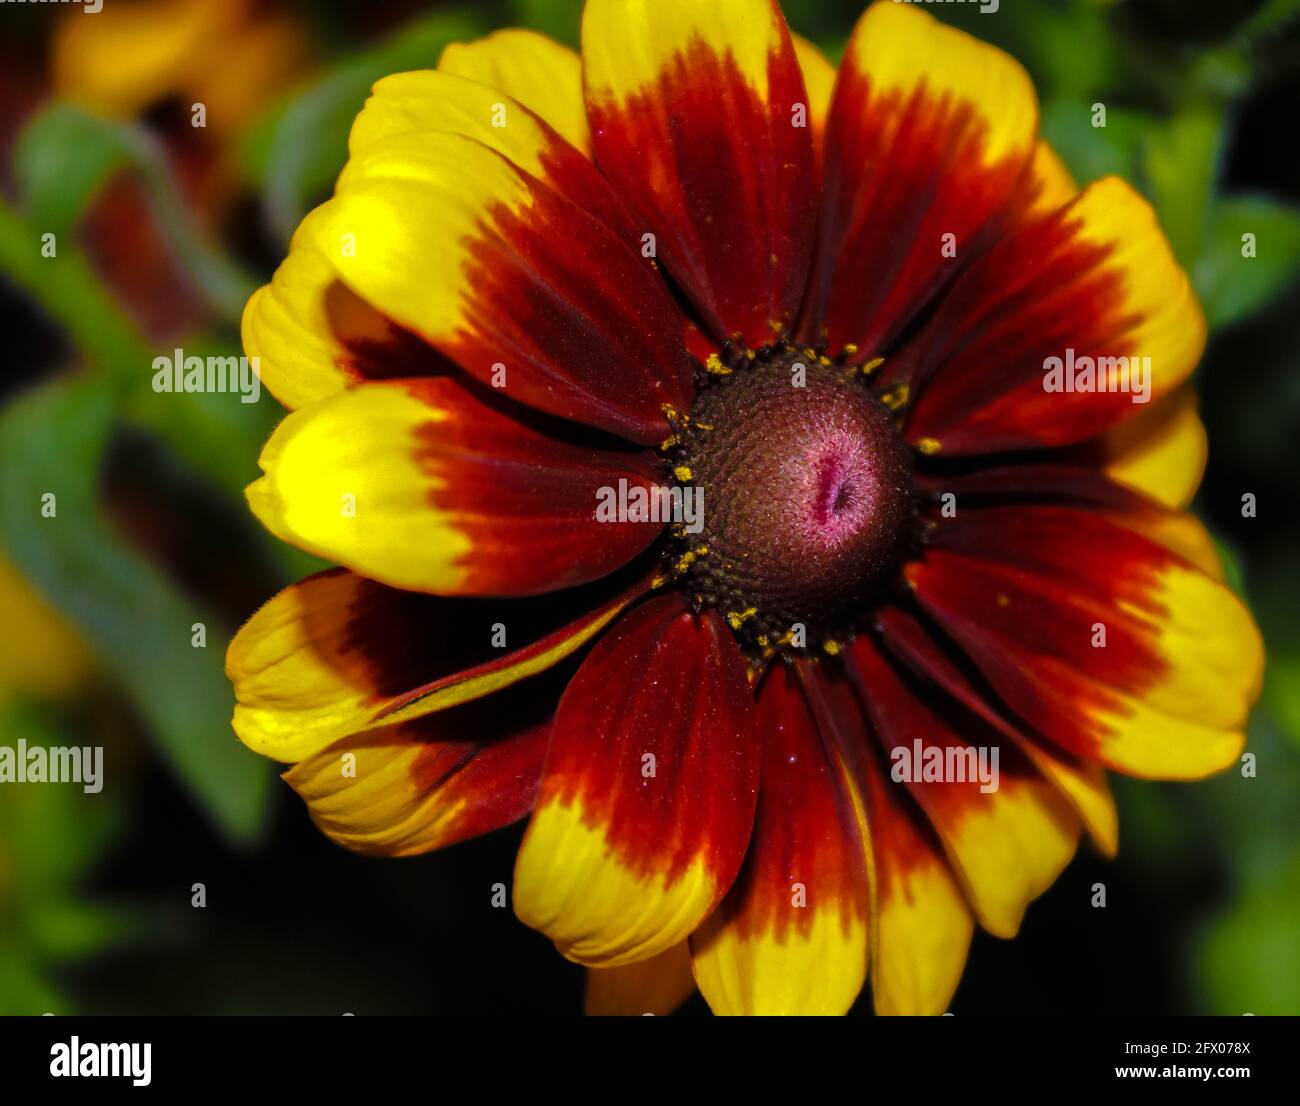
(696, 258)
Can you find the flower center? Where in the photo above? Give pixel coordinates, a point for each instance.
(807, 508)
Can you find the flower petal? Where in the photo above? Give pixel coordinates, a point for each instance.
(1093, 285)
(1082, 782)
(1051, 184)
(514, 280)
(539, 72)
(427, 101)
(649, 790)
(929, 132)
(1026, 590)
(655, 986)
(1006, 846)
(312, 334)
(313, 337)
(1160, 452)
(1074, 478)
(337, 654)
(693, 112)
(791, 937)
(1179, 531)
(819, 83)
(438, 486)
(422, 785)
(921, 925)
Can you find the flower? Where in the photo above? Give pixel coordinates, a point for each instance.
(148, 57)
(696, 259)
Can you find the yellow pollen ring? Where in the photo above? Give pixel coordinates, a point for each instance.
(684, 473)
(713, 363)
(896, 397)
(868, 367)
(736, 619)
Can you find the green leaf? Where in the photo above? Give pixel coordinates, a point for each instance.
(70, 293)
(562, 19)
(1282, 689)
(1273, 17)
(52, 441)
(65, 929)
(1093, 152)
(23, 990)
(61, 159)
(217, 438)
(1068, 47)
(309, 143)
(50, 837)
(1249, 958)
(1233, 286)
(216, 434)
(1181, 163)
(64, 156)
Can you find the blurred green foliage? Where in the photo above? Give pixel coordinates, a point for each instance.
(1231, 291)
(296, 151)
(50, 839)
(138, 622)
(65, 156)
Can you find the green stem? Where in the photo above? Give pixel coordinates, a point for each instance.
(67, 290)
